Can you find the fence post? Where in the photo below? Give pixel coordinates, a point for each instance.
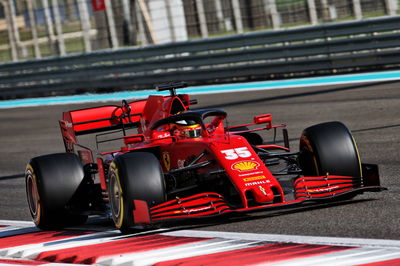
(325, 10)
(111, 25)
(57, 19)
(14, 25)
(147, 21)
(312, 11)
(202, 18)
(141, 29)
(32, 22)
(270, 9)
(170, 18)
(220, 15)
(127, 22)
(357, 9)
(85, 23)
(11, 27)
(238, 16)
(391, 7)
(49, 25)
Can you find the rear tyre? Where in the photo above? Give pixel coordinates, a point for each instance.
(329, 148)
(52, 182)
(134, 176)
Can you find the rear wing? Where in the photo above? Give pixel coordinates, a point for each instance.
(99, 119)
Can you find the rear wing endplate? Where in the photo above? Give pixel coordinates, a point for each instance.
(99, 119)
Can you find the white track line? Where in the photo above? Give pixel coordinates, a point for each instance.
(337, 241)
(347, 257)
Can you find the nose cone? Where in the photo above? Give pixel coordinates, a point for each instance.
(262, 194)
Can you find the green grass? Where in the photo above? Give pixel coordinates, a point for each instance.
(25, 34)
(377, 13)
(286, 3)
(5, 56)
(74, 45)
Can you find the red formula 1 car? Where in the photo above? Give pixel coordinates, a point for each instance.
(178, 163)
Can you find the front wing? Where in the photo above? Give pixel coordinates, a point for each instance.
(203, 205)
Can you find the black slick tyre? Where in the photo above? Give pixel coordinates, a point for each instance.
(134, 176)
(51, 182)
(329, 148)
(251, 137)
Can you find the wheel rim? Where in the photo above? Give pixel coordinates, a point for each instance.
(33, 194)
(115, 195)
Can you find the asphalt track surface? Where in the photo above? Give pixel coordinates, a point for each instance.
(371, 111)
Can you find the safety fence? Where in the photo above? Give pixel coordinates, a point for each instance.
(41, 28)
(326, 48)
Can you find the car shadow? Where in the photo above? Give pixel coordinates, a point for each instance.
(374, 128)
(12, 177)
(102, 224)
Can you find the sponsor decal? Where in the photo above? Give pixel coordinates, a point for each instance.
(244, 166)
(322, 190)
(189, 211)
(249, 174)
(262, 182)
(197, 209)
(233, 154)
(164, 135)
(166, 160)
(254, 178)
(68, 124)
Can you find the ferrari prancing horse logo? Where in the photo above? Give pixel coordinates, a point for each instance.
(166, 160)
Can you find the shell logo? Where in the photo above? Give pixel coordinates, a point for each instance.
(245, 166)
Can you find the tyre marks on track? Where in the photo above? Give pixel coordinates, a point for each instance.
(26, 245)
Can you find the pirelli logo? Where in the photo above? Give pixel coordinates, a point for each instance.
(254, 178)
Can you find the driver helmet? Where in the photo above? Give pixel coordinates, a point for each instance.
(188, 129)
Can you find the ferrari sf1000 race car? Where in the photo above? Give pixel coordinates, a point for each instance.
(180, 163)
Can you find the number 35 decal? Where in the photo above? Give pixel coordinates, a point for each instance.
(233, 154)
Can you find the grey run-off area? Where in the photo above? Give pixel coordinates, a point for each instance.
(371, 111)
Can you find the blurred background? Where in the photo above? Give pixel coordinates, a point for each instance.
(42, 28)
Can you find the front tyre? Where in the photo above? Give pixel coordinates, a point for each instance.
(51, 183)
(329, 148)
(134, 176)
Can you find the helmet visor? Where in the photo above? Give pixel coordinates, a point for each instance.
(192, 132)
